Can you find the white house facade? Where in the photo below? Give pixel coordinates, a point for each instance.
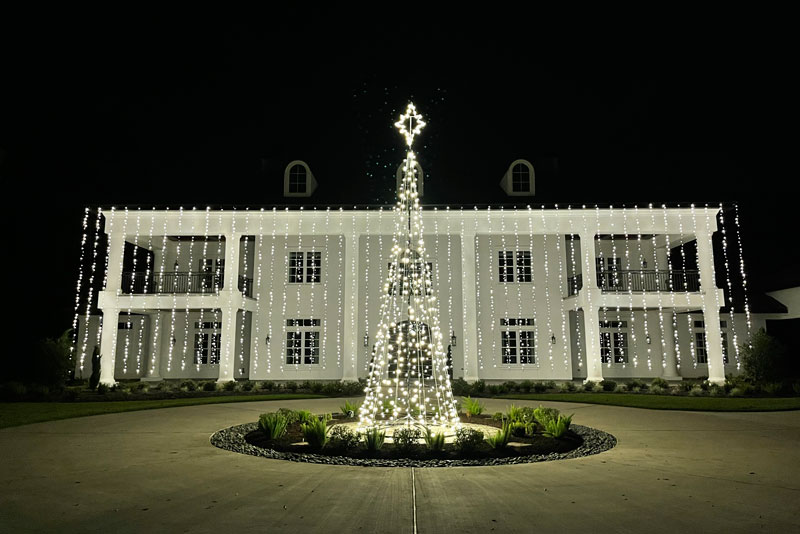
(556, 293)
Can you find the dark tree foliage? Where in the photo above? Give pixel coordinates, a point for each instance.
(766, 360)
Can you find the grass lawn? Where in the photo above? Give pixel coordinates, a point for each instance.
(23, 413)
(669, 402)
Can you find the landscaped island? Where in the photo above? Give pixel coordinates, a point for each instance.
(520, 435)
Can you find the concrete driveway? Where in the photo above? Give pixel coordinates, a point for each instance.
(155, 471)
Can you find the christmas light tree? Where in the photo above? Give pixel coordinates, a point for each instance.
(408, 382)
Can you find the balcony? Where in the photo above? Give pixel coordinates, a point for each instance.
(141, 283)
(639, 280)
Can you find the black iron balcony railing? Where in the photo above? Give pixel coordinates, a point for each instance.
(640, 280)
(644, 280)
(142, 283)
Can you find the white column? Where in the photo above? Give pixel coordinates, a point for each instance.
(591, 323)
(670, 357)
(469, 307)
(589, 296)
(108, 346)
(108, 303)
(708, 289)
(228, 299)
(351, 304)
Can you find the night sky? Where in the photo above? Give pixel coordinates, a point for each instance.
(141, 111)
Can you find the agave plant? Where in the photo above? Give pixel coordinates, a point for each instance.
(472, 406)
(273, 425)
(501, 439)
(350, 408)
(373, 439)
(435, 442)
(555, 428)
(315, 432)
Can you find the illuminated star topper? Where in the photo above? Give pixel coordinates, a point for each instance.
(410, 124)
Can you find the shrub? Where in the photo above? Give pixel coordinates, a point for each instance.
(434, 442)
(405, 438)
(550, 384)
(273, 425)
(69, 395)
(317, 387)
(772, 388)
(539, 387)
(267, 385)
(496, 389)
(189, 385)
(796, 388)
(102, 389)
(341, 437)
(247, 385)
(567, 387)
(588, 386)
(543, 414)
(291, 386)
(555, 428)
(764, 359)
(514, 413)
(478, 387)
(472, 406)
(353, 388)
(658, 381)
(608, 385)
(636, 383)
(525, 386)
(620, 388)
(290, 415)
(716, 390)
(511, 386)
(461, 387)
(13, 390)
(468, 439)
(315, 432)
(518, 428)
(350, 409)
(139, 387)
(373, 439)
(697, 391)
(94, 379)
(209, 385)
(657, 390)
(501, 439)
(304, 416)
(499, 416)
(736, 392)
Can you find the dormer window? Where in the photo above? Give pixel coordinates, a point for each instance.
(519, 180)
(298, 180)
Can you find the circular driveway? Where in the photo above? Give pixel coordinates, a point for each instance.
(155, 470)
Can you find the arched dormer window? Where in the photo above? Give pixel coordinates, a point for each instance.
(298, 180)
(519, 179)
(420, 178)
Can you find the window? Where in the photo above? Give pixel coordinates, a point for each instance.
(701, 351)
(613, 342)
(305, 263)
(409, 271)
(517, 344)
(297, 179)
(700, 342)
(609, 274)
(524, 266)
(520, 178)
(207, 344)
(302, 343)
(506, 270)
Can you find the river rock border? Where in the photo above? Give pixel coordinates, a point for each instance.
(232, 439)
